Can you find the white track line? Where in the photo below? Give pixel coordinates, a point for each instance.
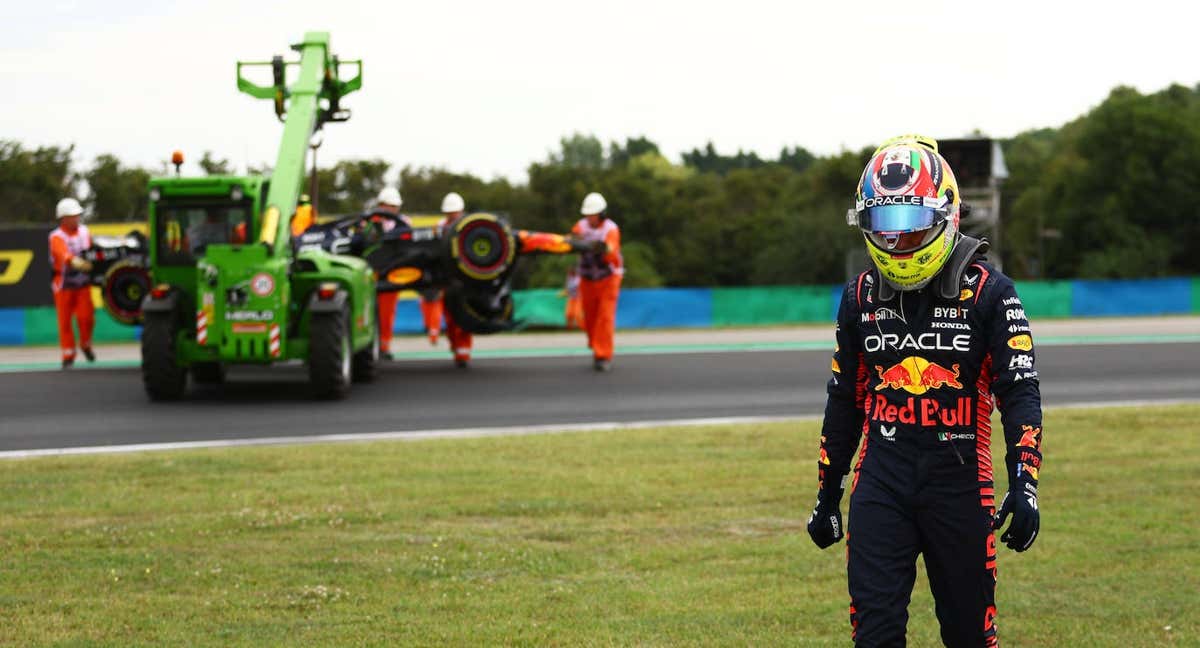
(481, 432)
(401, 435)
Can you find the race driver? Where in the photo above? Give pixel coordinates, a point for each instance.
(928, 340)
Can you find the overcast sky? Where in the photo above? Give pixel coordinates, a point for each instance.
(488, 87)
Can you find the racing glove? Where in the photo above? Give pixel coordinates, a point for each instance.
(80, 264)
(1021, 502)
(825, 525)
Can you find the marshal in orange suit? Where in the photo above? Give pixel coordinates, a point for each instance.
(600, 274)
(70, 281)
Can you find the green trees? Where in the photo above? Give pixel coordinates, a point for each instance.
(350, 185)
(117, 193)
(32, 181)
(423, 190)
(1111, 194)
(714, 221)
(214, 166)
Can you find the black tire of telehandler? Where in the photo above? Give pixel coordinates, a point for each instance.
(163, 378)
(365, 364)
(208, 373)
(329, 355)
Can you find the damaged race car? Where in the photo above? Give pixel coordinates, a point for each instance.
(472, 259)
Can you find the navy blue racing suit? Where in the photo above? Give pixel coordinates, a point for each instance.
(917, 377)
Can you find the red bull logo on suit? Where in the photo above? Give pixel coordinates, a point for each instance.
(925, 412)
(917, 375)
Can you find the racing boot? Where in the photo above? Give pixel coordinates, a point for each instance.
(89, 354)
(602, 365)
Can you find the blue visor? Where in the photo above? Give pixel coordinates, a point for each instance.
(899, 218)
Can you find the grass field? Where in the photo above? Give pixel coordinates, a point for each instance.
(686, 536)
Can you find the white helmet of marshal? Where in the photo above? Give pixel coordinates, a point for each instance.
(68, 207)
(593, 203)
(389, 196)
(452, 203)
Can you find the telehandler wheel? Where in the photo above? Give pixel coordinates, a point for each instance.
(163, 378)
(329, 354)
(366, 362)
(208, 373)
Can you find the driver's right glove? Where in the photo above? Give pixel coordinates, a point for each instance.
(825, 525)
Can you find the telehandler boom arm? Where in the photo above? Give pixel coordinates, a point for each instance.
(303, 107)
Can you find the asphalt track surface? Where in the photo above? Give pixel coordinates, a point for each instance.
(108, 406)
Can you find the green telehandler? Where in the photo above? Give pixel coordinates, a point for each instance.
(228, 287)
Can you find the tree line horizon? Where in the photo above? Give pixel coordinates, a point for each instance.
(1117, 187)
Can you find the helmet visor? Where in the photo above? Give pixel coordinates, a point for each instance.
(900, 214)
(898, 218)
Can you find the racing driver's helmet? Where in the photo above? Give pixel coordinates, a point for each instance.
(907, 207)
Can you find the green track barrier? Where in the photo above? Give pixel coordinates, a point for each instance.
(1045, 298)
(1196, 295)
(772, 305)
(539, 307)
(41, 327)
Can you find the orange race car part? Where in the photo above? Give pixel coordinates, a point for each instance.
(545, 242)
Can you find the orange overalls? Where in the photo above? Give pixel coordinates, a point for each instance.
(431, 312)
(574, 311)
(600, 284)
(72, 289)
(304, 218)
(385, 302)
(461, 341)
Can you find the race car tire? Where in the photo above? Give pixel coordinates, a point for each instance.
(482, 248)
(125, 285)
(479, 311)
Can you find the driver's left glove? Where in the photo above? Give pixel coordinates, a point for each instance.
(1021, 502)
